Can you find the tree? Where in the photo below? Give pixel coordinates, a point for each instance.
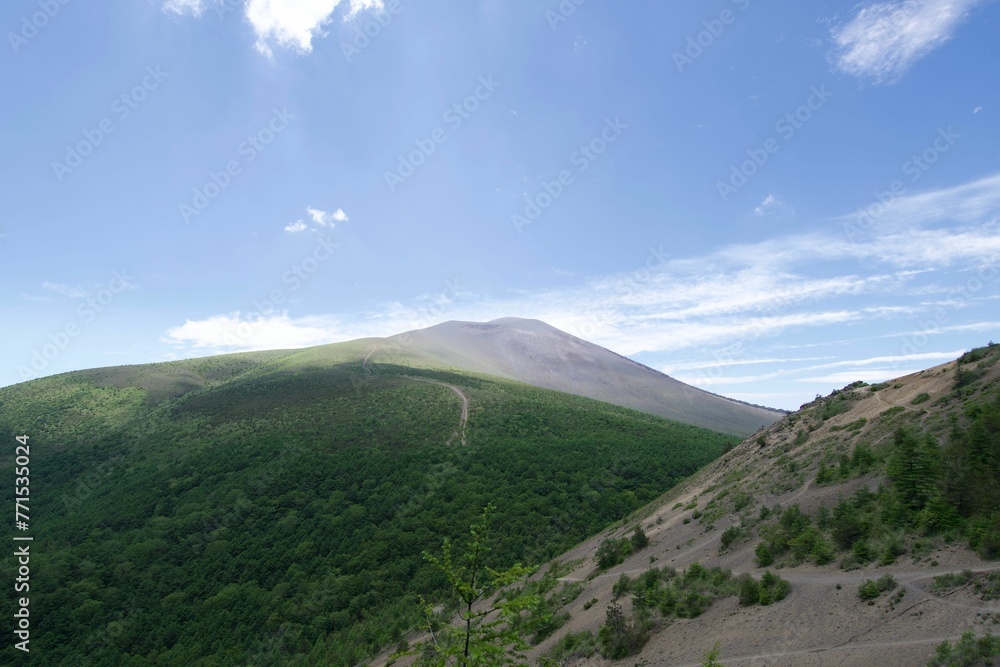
(711, 656)
(914, 468)
(486, 635)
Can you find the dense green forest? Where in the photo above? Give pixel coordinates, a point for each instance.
(273, 508)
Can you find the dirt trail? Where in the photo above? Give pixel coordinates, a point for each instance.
(364, 364)
(464, 418)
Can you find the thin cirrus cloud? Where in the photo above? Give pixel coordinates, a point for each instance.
(66, 290)
(885, 39)
(889, 368)
(290, 24)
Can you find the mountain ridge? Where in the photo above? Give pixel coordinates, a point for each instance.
(537, 353)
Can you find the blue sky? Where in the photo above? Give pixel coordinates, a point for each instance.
(765, 201)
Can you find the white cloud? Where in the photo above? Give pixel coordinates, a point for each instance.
(66, 290)
(885, 39)
(294, 23)
(319, 219)
(765, 206)
(772, 205)
(237, 333)
(195, 7)
(324, 219)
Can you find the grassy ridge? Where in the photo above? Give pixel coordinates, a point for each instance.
(273, 509)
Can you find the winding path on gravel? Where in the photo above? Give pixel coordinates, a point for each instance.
(464, 418)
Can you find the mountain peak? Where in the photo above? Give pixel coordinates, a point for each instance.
(539, 354)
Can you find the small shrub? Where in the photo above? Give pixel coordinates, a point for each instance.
(741, 501)
(620, 636)
(573, 646)
(639, 539)
(773, 588)
(869, 590)
(749, 591)
(967, 651)
(732, 535)
(886, 583)
(920, 398)
(612, 551)
(711, 657)
(953, 580)
(764, 556)
(622, 587)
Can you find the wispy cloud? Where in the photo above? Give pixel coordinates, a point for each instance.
(835, 380)
(771, 205)
(968, 202)
(888, 368)
(35, 299)
(194, 7)
(884, 39)
(66, 290)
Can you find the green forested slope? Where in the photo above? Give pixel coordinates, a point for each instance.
(272, 508)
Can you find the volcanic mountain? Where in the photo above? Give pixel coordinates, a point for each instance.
(536, 353)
